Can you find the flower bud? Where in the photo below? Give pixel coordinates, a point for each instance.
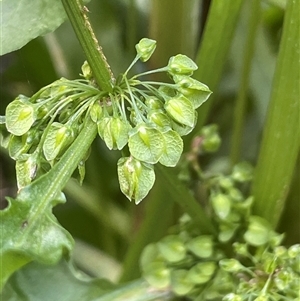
(181, 65)
(145, 49)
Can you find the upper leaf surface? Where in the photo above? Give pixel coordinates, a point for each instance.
(23, 20)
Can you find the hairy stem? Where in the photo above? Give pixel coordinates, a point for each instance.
(77, 14)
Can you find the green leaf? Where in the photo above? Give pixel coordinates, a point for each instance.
(20, 116)
(181, 110)
(24, 20)
(172, 248)
(30, 230)
(173, 149)
(58, 138)
(136, 178)
(146, 144)
(37, 282)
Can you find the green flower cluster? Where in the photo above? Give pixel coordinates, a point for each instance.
(147, 116)
(243, 261)
(43, 126)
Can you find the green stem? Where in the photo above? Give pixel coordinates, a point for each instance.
(95, 57)
(173, 24)
(138, 291)
(157, 219)
(214, 48)
(180, 194)
(281, 137)
(49, 184)
(241, 101)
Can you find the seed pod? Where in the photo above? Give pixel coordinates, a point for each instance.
(58, 138)
(172, 248)
(181, 110)
(136, 178)
(20, 116)
(145, 49)
(146, 143)
(181, 65)
(194, 90)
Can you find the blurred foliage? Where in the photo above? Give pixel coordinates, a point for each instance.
(97, 213)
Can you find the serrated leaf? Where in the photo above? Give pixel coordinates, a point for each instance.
(146, 144)
(28, 233)
(24, 20)
(58, 137)
(29, 230)
(181, 110)
(173, 149)
(20, 116)
(136, 178)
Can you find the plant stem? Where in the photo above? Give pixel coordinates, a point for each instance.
(157, 220)
(138, 291)
(88, 41)
(241, 101)
(215, 43)
(175, 33)
(183, 197)
(281, 137)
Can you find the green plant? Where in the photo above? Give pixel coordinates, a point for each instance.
(226, 245)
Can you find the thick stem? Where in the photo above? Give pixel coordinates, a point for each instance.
(77, 14)
(241, 101)
(215, 43)
(281, 137)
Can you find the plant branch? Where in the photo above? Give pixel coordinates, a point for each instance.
(77, 14)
